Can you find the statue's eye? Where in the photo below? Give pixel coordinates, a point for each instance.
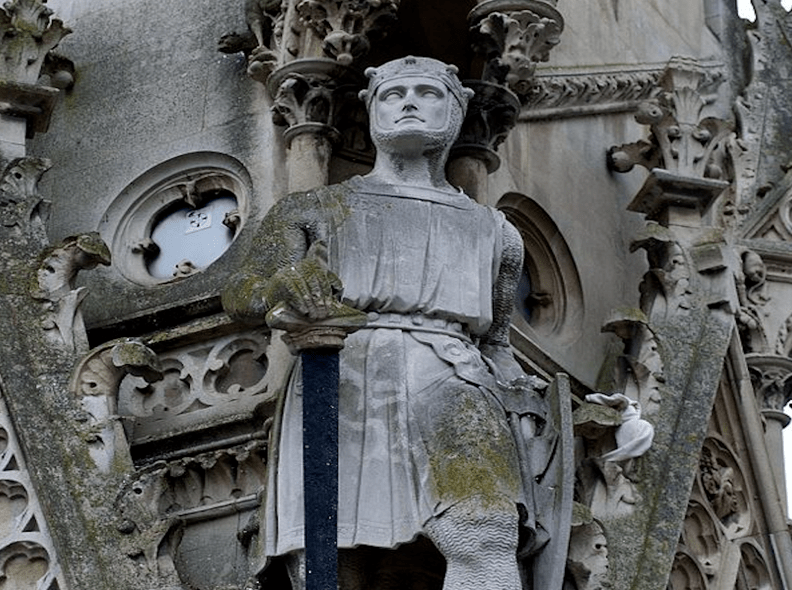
(431, 93)
(391, 95)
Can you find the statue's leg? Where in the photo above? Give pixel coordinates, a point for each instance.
(295, 567)
(478, 539)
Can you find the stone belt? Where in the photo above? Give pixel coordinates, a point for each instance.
(417, 322)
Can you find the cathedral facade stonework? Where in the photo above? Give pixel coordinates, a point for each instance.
(547, 246)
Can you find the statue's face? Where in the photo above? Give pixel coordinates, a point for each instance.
(411, 104)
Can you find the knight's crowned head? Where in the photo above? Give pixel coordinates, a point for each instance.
(415, 102)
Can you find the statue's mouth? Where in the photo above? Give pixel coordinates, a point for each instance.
(410, 118)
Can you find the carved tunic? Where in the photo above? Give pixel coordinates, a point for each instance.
(419, 426)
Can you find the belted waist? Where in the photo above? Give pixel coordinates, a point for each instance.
(417, 322)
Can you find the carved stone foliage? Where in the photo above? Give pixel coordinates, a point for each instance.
(613, 492)
(682, 142)
(56, 290)
(22, 209)
(27, 34)
(665, 289)
(513, 41)
(162, 501)
(27, 555)
(346, 26)
(310, 96)
(302, 98)
(210, 379)
(95, 383)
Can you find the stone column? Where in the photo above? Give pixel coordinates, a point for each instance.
(306, 95)
(512, 37)
(771, 376)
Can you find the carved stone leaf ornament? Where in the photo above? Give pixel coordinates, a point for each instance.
(346, 26)
(687, 144)
(27, 34)
(513, 44)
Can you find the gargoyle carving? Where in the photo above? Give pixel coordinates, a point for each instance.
(21, 207)
(56, 289)
(27, 34)
(751, 281)
(96, 383)
(150, 538)
(587, 561)
(260, 43)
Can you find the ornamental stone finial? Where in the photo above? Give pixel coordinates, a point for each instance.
(686, 153)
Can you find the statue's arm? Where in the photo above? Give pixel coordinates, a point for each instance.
(495, 344)
(274, 269)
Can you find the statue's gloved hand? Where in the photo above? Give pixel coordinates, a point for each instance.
(309, 287)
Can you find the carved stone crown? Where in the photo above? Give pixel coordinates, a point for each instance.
(406, 67)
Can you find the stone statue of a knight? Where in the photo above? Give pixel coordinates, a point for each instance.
(439, 427)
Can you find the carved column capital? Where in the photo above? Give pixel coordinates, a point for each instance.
(513, 36)
(771, 376)
(345, 27)
(491, 114)
(307, 95)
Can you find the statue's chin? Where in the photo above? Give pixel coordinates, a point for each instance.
(411, 140)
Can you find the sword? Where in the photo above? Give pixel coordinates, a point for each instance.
(318, 344)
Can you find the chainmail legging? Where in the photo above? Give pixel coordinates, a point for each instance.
(479, 542)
